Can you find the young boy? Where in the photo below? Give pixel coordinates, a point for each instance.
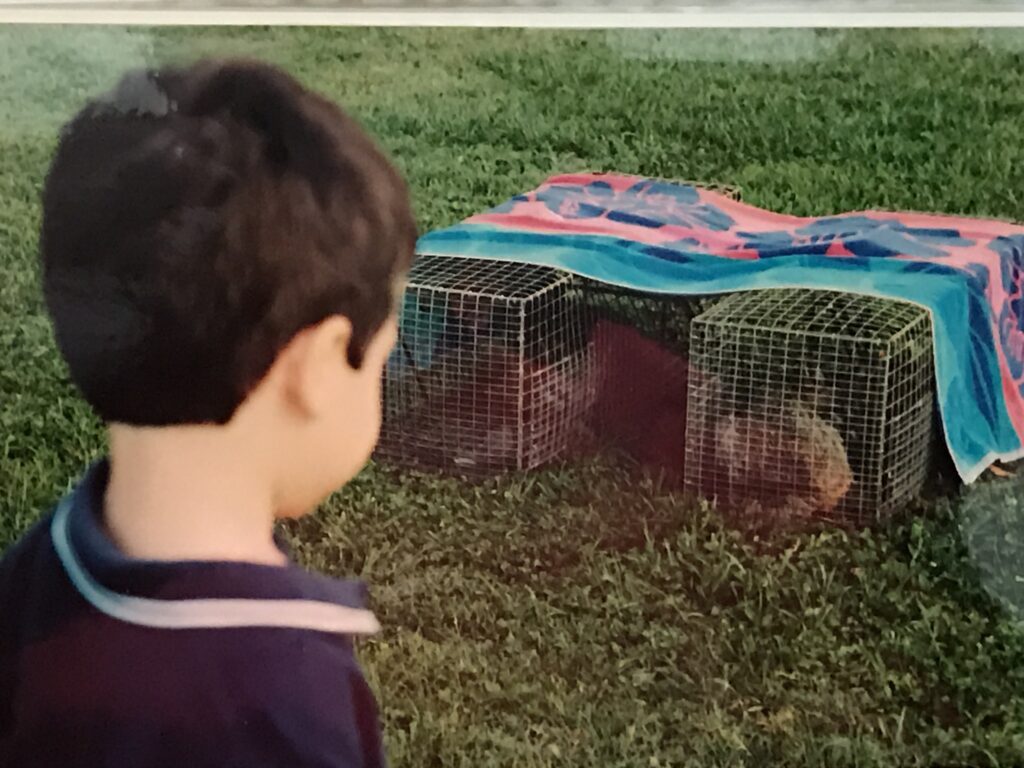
(222, 254)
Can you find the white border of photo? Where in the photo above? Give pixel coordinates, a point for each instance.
(519, 13)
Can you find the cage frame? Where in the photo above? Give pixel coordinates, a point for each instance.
(916, 335)
(540, 293)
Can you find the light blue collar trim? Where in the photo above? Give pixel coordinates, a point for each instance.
(200, 613)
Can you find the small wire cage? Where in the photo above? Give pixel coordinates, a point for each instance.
(810, 404)
(492, 371)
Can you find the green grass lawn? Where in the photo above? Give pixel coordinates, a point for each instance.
(573, 617)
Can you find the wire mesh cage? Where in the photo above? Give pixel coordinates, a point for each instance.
(492, 370)
(810, 404)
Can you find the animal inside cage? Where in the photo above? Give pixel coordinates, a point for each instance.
(492, 370)
(810, 403)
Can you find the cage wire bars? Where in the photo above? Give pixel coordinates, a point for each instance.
(781, 402)
(810, 403)
(492, 370)
(787, 402)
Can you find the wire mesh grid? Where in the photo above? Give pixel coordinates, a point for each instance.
(492, 370)
(810, 404)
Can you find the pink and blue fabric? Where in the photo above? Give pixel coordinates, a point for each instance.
(671, 238)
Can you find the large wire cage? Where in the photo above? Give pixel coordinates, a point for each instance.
(810, 404)
(492, 371)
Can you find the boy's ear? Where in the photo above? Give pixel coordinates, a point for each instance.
(313, 363)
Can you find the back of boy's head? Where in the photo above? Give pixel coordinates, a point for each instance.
(195, 220)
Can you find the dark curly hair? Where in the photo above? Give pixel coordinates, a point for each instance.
(195, 220)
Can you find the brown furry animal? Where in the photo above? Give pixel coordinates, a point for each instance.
(794, 461)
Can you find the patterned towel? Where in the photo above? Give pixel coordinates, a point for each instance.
(670, 238)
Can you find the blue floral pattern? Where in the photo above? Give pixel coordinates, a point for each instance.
(648, 203)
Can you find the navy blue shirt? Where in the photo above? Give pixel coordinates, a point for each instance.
(110, 661)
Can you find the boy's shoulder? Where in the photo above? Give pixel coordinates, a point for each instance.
(26, 567)
(24, 551)
(231, 663)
